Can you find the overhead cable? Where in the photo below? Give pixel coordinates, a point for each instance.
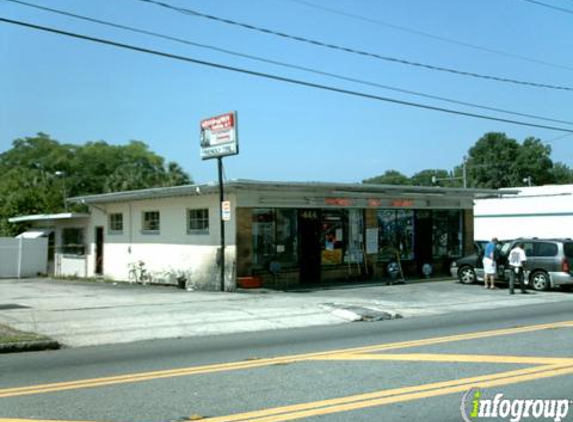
(550, 6)
(354, 51)
(283, 64)
(428, 35)
(274, 77)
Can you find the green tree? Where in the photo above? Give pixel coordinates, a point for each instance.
(39, 172)
(390, 177)
(533, 161)
(426, 177)
(491, 161)
(561, 174)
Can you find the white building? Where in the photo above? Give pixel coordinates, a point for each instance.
(540, 211)
(278, 232)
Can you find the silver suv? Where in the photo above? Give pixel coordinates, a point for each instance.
(549, 263)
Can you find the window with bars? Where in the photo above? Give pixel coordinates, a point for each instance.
(116, 223)
(150, 222)
(198, 221)
(73, 241)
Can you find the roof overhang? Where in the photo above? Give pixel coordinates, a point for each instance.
(47, 217)
(321, 188)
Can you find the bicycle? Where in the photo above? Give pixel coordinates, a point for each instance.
(138, 273)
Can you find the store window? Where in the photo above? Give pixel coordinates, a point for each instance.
(151, 222)
(73, 241)
(274, 237)
(355, 250)
(447, 233)
(198, 221)
(334, 236)
(395, 234)
(115, 223)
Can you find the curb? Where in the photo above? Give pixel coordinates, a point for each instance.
(29, 346)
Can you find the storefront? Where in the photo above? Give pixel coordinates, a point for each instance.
(284, 233)
(353, 232)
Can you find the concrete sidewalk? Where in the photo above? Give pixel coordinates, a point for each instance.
(90, 313)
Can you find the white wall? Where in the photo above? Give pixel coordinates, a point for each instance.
(70, 265)
(172, 250)
(23, 257)
(543, 211)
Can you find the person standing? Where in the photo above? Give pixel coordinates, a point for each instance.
(517, 260)
(489, 264)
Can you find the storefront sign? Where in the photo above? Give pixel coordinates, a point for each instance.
(374, 203)
(339, 202)
(219, 136)
(331, 257)
(402, 203)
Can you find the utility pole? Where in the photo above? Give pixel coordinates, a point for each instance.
(465, 172)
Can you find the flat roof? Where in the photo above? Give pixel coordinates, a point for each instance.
(256, 185)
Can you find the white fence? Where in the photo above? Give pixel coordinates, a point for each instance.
(21, 257)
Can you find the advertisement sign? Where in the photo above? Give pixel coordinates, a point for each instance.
(219, 136)
(226, 210)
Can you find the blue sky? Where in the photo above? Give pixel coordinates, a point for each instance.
(78, 91)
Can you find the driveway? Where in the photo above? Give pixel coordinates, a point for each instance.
(91, 313)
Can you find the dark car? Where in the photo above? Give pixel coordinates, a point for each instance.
(549, 263)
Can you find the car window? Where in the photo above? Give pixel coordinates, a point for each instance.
(544, 249)
(568, 249)
(505, 248)
(528, 247)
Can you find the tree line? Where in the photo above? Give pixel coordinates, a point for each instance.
(494, 161)
(39, 172)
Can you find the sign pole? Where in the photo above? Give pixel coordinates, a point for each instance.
(222, 222)
(218, 139)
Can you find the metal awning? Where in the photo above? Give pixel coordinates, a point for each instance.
(34, 234)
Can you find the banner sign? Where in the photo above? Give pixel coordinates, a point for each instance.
(219, 136)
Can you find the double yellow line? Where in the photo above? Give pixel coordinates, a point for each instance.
(379, 398)
(249, 364)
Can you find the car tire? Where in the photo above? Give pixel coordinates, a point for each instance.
(539, 280)
(467, 275)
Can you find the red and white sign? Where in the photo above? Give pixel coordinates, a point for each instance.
(219, 136)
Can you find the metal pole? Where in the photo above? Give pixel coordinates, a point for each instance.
(221, 198)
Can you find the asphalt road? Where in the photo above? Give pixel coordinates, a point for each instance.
(397, 370)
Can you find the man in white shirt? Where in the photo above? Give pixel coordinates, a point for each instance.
(517, 260)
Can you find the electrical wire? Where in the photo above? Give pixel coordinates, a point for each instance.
(428, 35)
(283, 64)
(550, 6)
(354, 51)
(275, 77)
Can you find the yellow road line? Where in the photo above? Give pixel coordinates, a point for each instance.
(242, 365)
(379, 398)
(433, 357)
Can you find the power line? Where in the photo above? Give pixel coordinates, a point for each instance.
(550, 6)
(428, 35)
(283, 64)
(276, 77)
(354, 51)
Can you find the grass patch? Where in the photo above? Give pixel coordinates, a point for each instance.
(11, 335)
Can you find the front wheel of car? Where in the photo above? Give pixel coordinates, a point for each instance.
(540, 281)
(467, 275)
